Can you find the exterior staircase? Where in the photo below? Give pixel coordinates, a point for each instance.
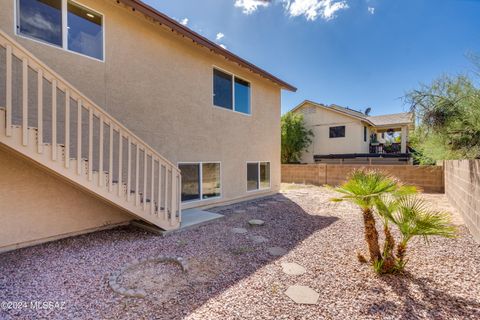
(50, 122)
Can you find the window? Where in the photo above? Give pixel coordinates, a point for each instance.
(337, 132)
(231, 92)
(365, 134)
(82, 32)
(41, 20)
(258, 175)
(222, 89)
(85, 32)
(200, 181)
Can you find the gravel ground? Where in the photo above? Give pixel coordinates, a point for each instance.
(233, 277)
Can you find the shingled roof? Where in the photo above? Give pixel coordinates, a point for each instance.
(396, 119)
(392, 119)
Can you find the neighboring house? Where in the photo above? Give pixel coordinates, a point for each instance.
(343, 135)
(113, 111)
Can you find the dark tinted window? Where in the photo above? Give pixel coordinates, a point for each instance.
(190, 181)
(242, 96)
(85, 34)
(210, 180)
(222, 89)
(252, 176)
(41, 19)
(337, 132)
(365, 134)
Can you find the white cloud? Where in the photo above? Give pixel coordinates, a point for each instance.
(184, 21)
(223, 46)
(219, 36)
(371, 10)
(250, 6)
(312, 9)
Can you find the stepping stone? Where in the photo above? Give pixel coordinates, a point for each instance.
(258, 239)
(302, 294)
(256, 222)
(277, 251)
(293, 269)
(239, 230)
(239, 211)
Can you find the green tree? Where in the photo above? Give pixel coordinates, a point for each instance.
(448, 115)
(295, 137)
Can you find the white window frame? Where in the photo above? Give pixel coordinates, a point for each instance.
(233, 92)
(201, 180)
(64, 47)
(258, 174)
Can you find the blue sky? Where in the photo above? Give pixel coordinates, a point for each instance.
(355, 53)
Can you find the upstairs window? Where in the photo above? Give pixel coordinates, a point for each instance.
(231, 92)
(337, 132)
(85, 31)
(43, 20)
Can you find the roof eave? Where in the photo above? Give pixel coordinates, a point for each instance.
(201, 40)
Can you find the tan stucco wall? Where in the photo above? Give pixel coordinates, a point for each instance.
(427, 178)
(319, 120)
(159, 85)
(36, 206)
(462, 188)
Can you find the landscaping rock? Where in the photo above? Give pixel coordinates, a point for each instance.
(258, 239)
(256, 222)
(293, 269)
(239, 230)
(277, 251)
(302, 294)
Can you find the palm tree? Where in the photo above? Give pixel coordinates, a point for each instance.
(378, 193)
(364, 188)
(413, 217)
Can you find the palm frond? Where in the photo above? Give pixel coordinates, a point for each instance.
(415, 218)
(364, 186)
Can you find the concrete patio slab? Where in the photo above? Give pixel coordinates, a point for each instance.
(190, 218)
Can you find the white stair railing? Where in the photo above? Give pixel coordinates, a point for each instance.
(107, 167)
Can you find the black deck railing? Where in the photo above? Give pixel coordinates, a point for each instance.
(393, 148)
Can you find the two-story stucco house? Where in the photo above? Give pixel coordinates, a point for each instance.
(111, 111)
(343, 135)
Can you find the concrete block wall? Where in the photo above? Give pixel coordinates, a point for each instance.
(429, 178)
(304, 174)
(462, 188)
